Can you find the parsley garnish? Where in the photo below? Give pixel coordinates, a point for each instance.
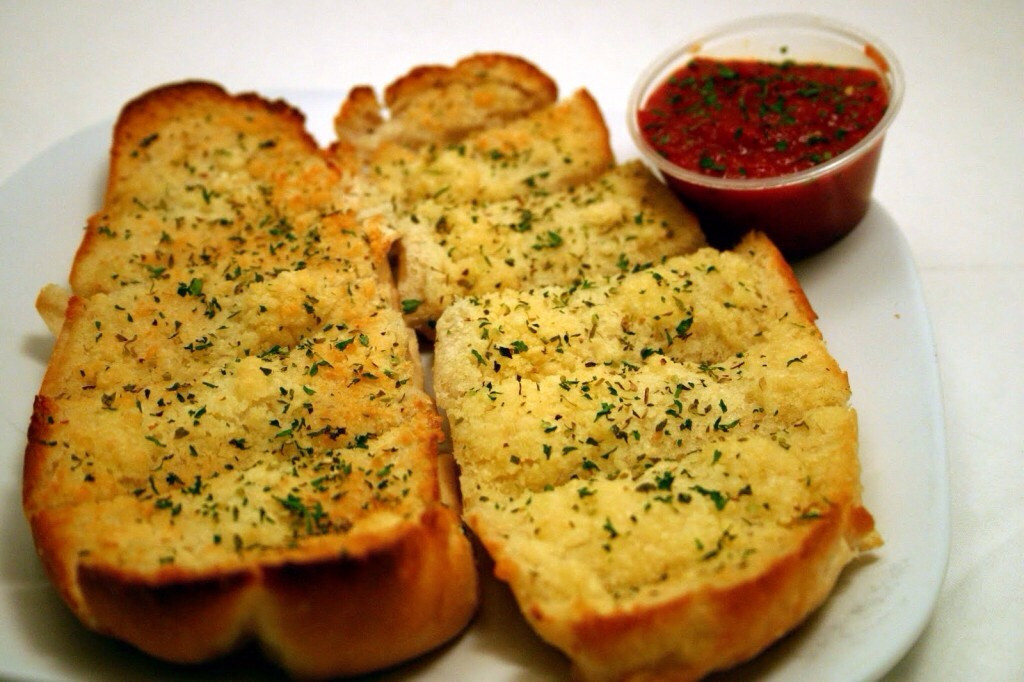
(715, 496)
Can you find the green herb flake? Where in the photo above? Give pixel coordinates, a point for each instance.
(609, 528)
(549, 240)
(665, 480)
(715, 496)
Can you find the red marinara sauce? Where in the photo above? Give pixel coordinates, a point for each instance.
(756, 119)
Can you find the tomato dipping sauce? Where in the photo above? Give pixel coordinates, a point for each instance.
(772, 123)
(758, 119)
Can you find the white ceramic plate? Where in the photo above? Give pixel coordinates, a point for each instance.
(865, 290)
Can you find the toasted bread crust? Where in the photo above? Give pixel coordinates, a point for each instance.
(134, 131)
(311, 615)
(209, 613)
(552, 148)
(440, 104)
(231, 440)
(485, 67)
(735, 623)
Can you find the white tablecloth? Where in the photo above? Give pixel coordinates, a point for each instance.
(950, 178)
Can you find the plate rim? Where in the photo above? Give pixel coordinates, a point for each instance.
(914, 293)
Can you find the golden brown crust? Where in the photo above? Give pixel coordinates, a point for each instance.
(735, 623)
(437, 105)
(177, 99)
(407, 588)
(508, 69)
(231, 440)
(51, 303)
(294, 609)
(208, 613)
(357, 119)
(134, 133)
(759, 244)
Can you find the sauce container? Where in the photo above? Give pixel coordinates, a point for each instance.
(803, 212)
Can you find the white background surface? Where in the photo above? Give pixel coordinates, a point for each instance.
(950, 179)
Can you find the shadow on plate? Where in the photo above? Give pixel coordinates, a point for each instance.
(38, 347)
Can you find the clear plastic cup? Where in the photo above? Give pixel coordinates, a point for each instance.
(803, 212)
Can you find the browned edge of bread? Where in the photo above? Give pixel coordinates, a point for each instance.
(362, 116)
(508, 68)
(727, 625)
(392, 595)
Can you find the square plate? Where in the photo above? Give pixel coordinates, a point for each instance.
(865, 290)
